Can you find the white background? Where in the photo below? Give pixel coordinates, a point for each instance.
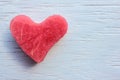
(89, 51)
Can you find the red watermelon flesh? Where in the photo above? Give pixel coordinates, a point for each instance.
(36, 39)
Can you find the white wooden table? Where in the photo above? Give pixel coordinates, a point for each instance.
(89, 51)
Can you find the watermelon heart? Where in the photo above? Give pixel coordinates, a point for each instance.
(36, 39)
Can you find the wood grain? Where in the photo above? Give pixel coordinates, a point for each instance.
(89, 51)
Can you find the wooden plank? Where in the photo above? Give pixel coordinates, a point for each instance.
(89, 51)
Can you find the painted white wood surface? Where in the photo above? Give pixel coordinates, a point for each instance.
(89, 51)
